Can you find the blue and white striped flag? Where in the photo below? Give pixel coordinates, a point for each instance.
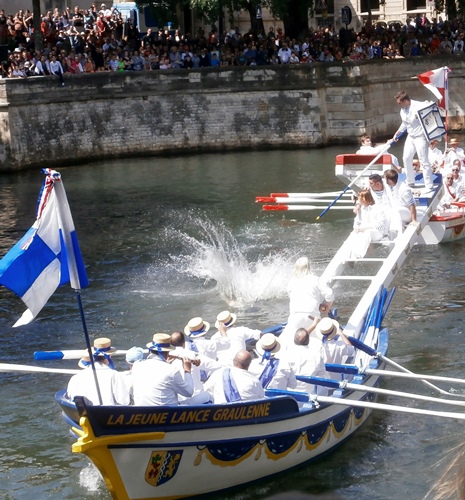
(48, 255)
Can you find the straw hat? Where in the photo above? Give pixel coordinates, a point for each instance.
(225, 317)
(268, 343)
(327, 329)
(196, 327)
(160, 342)
(454, 140)
(102, 347)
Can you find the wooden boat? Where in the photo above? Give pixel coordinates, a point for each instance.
(174, 452)
(443, 225)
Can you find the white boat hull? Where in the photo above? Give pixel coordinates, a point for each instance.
(226, 447)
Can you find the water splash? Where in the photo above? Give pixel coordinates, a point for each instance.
(242, 273)
(91, 479)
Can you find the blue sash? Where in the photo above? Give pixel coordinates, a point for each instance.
(269, 372)
(230, 389)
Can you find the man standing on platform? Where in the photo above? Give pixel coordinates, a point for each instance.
(416, 141)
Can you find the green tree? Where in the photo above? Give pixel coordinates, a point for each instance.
(293, 13)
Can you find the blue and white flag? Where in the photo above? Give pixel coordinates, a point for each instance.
(48, 255)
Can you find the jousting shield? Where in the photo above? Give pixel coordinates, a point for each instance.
(431, 121)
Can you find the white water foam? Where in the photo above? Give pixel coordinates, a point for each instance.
(91, 479)
(242, 272)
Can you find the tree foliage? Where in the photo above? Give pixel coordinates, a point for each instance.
(293, 13)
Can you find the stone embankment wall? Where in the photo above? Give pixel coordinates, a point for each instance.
(105, 115)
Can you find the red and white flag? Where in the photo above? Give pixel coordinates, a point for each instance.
(436, 82)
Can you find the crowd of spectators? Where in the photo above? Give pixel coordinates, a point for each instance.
(99, 39)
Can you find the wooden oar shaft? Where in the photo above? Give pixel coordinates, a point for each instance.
(301, 207)
(313, 195)
(358, 344)
(309, 199)
(408, 372)
(335, 384)
(400, 394)
(353, 181)
(70, 354)
(385, 407)
(303, 396)
(416, 376)
(10, 367)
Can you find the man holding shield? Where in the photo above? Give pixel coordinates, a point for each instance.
(416, 141)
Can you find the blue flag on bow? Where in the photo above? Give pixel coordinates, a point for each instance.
(48, 255)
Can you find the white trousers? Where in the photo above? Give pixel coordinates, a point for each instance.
(418, 145)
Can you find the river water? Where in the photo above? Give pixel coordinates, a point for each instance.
(167, 239)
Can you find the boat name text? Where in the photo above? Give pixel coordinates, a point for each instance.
(222, 414)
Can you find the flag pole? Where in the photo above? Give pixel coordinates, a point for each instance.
(77, 274)
(89, 347)
(446, 105)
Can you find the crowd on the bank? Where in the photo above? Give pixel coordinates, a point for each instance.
(99, 39)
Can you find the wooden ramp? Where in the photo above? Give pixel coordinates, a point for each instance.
(388, 255)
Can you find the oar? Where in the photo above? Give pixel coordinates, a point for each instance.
(371, 319)
(276, 330)
(301, 207)
(9, 367)
(355, 370)
(305, 397)
(387, 304)
(300, 195)
(309, 199)
(372, 162)
(372, 352)
(343, 384)
(69, 354)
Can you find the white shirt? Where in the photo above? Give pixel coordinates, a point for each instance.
(247, 384)
(381, 197)
(450, 195)
(451, 155)
(435, 156)
(402, 195)
(372, 217)
(284, 55)
(112, 387)
(307, 361)
(374, 150)
(238, 336)
(157, 382)
(459, 186)
(307, 293)
(336, 351)
(410, 120)
(284, 377)
(208, 347)
(56, 67)
(206, 364)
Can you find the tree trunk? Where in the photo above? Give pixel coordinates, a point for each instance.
(37, 19)
(255, 24)
(296, 22)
